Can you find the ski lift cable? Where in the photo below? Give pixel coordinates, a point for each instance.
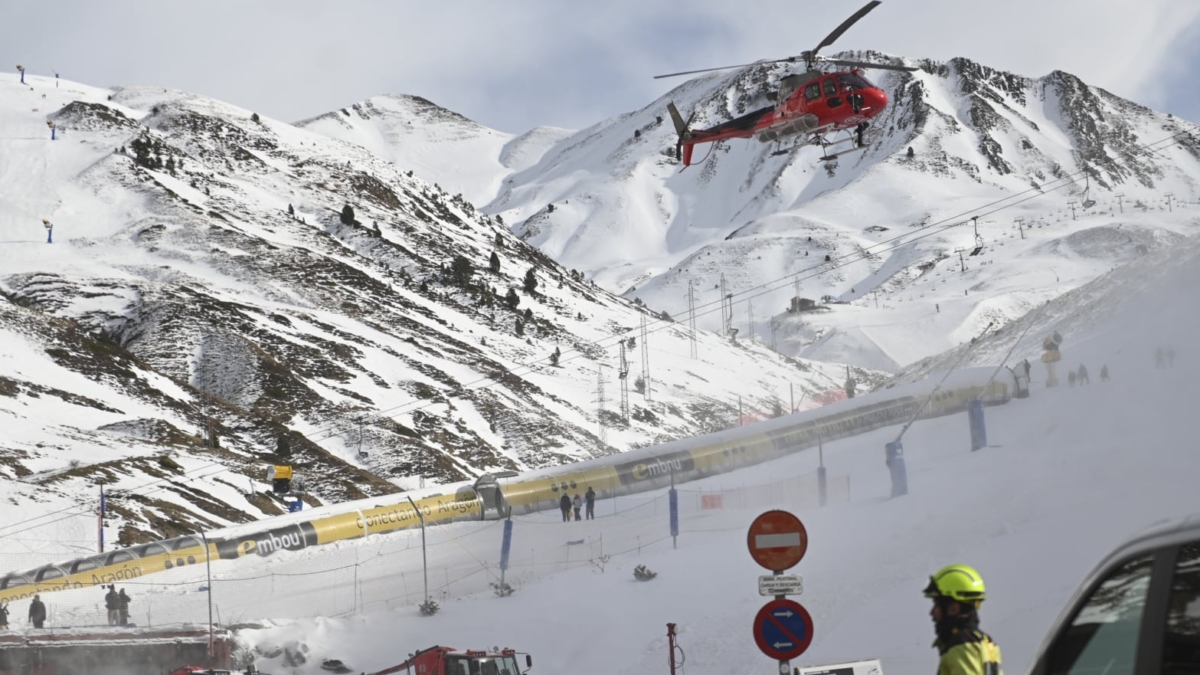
(866, 253)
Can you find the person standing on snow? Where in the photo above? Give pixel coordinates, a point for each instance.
(1083, 376)
(564, 505)
(112, 604)
(1104, 373)
(957, 592)
(578, 503)
(123, 608)
(37, 612)
(590, 498)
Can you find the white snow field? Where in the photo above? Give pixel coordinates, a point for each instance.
(1070, 473)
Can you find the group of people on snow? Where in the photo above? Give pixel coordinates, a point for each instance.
(117, 605)
(566, 504)
(1080, 376)
(37, 613)
(1164, 359)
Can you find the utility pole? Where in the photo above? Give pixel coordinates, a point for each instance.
(424, 559)
(1072, 205)
(1169, 195)
(774, 327)
(961, 261)
(645, 360)
(1121, 202)
(726, 308)
(101, 529)
(623, 376)
(692, 317)
(750, 309)
(600, 405)
(1021, 226)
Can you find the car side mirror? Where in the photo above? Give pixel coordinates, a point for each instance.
(529, 660)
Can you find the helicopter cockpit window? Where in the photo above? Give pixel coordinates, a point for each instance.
(851, 81)
(813, 91)
(830, 87)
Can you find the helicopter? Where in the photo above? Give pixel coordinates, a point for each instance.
(818, 108)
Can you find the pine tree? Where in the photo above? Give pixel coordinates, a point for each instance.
(171, 165)
(461, 270)
(254, 117)
(347, 215)
(494, 263)
(512, 299)
(555, 356)
(531, 281)
(520, 328)
(291, 211)
(910, 152)
(529, 314)
(499, 240)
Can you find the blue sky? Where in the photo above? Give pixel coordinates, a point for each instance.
(519, 64)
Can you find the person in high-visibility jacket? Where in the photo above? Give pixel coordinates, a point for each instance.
(957, 592)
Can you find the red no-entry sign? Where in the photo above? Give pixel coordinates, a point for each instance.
(777, 540)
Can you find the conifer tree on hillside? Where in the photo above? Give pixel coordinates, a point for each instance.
(494, 263)
(555, 356)
(531, 282)
(511, 299)
(461, 271)
(347, 215)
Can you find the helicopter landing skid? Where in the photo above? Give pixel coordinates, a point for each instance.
(830, 158)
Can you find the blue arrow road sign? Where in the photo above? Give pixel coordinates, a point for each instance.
(783, 629)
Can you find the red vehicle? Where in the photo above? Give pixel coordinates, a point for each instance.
(201, 670)
(445, 661)
(811, 106)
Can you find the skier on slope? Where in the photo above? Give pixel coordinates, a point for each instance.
(957, 592)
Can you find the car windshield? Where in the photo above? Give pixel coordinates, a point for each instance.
(489, 665)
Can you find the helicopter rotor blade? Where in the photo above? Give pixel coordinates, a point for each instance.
(789, 59)
(877, 66)
(702, 70)
(837, 32)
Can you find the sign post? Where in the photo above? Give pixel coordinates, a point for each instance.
(783, 629)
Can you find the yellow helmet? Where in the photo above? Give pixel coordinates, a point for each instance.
(957, 582)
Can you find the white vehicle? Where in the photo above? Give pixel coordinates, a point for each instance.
(1138, 613)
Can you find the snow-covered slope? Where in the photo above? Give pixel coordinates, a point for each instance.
(1070, 473)
(438, 145)
(294, 298)
(611, 202)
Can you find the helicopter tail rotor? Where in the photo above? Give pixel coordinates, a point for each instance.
(681, 128)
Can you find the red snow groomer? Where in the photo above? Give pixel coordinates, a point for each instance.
(201, 670)
(446, 661)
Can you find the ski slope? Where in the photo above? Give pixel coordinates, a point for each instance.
(1071, 472)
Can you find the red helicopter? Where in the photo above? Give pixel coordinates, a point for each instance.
(812, 104)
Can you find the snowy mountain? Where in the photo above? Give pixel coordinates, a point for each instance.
(611, 201)
(226, 291)
(1069, 473)
(438, 145)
